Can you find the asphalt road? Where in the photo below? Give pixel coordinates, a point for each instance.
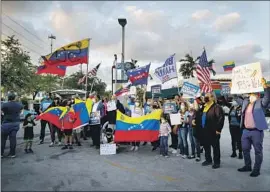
(83, 169)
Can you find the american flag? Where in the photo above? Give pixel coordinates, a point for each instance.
(91, 73)
(203, 74)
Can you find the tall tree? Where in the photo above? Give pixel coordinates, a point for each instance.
(16, 67)
(188, 66)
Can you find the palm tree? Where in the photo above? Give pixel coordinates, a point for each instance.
(188, 66)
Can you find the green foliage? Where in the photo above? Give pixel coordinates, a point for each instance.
(71, 82)
(16, 67)
(189, 65)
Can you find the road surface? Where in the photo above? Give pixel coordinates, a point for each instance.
(83, 169)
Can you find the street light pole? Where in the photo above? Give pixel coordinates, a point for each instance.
(123, 22)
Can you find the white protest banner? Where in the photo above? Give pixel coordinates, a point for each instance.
(107, 149)
(132, 90)
(175, 119)
(189, 90)
(167, 71)
(111, 106)
(247, 79)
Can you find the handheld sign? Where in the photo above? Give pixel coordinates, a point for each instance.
(247, 79)
(169, 108)
(156, 89)
(225, 90)
(107, 149)
(189, 90)
(111, 106)
(175, 119)
(95, 118)
(132, 90)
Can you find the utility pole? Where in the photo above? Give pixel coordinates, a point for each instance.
(53, 37)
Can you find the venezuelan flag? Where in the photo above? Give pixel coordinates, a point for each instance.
(52, 115)
(81, 115)
(56, 70)
(228, 66)
(72, 54)
(144, 128)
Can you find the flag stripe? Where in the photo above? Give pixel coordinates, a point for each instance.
(138, 135)
(203, 73)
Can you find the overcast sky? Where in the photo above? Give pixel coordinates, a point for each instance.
(230, 30)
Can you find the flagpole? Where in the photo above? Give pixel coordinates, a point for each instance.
(92, 85)
(86, 81)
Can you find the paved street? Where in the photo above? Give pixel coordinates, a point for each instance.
(81, 169)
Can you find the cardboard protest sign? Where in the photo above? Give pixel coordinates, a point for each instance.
(156, 89)
(247, 79)
(225, 90)
(95, 118)
(189, 90)
(107, 149)
(169, 108)
(175, 119)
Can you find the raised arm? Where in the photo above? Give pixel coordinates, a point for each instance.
(266, 98)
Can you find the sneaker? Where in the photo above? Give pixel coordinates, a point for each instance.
(233, 155)
(41, 142)
(198, 159)
(191, 157)
(136, 148)
(206, 163)
(132, 148)
(59, 143)
(85, 138)
(178, 155)
(166, 156)
(216, 166)
(30, 151)
(184, 156)
(174, 151)
(65, 147)
(254, 173)
(26, 150)
(52, 144)
(70, 147)
(245, 169)
(240, 156)
(11, 155)
(79, 144)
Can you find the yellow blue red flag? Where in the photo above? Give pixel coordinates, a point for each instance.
(144, 128)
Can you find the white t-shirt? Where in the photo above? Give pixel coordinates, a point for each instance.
(137, 112)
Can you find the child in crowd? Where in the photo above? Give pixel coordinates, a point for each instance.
(28, 126)
(136, 112)
(164, 131)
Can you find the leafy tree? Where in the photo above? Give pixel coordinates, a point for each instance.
(71, 82)
(189, 65)
(16, 67)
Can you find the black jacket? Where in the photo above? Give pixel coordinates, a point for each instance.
(214, 122)
(237, 115)
(111, 115)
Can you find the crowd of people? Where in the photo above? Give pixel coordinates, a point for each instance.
(202, 121)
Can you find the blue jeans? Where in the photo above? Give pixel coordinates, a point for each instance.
(183, 143)
(164, 145)
(192, 140)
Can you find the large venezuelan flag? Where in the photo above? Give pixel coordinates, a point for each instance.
(69, 55)
(52, 115)
(56, 70)
(144, 128)
(228, 66)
